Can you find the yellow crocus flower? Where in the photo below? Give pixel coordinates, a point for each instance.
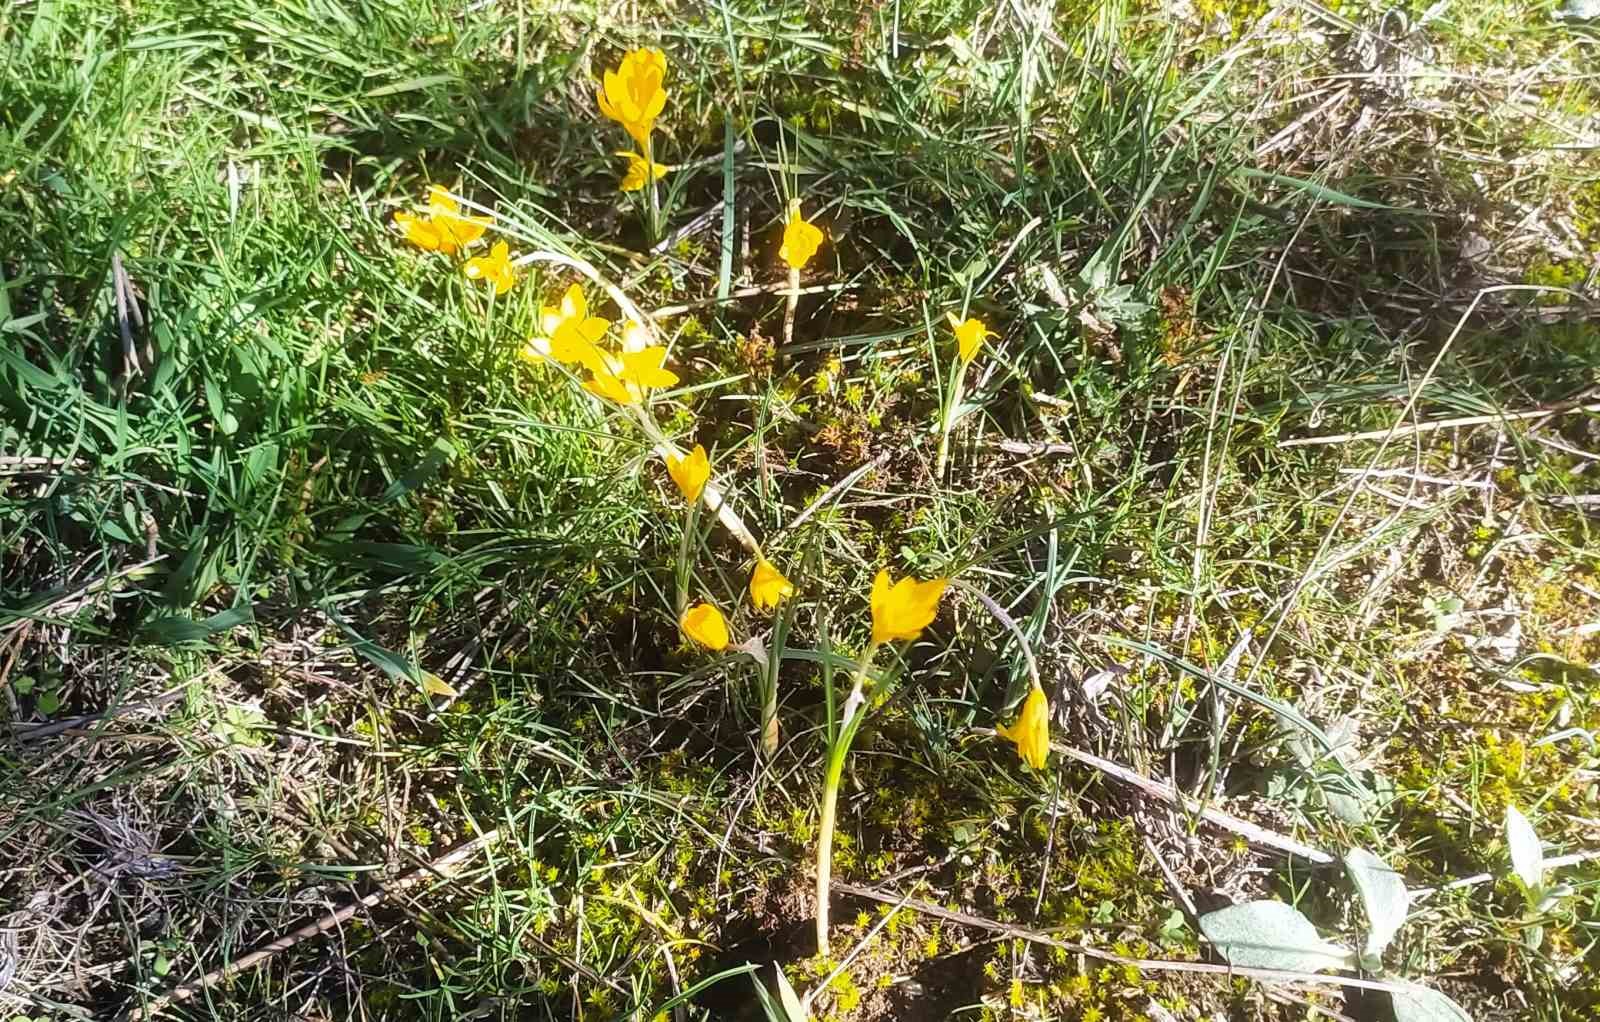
(904, 609)
(442, 228)
(639, 172)
(645, 368)
(494, 267)
(768, 587)
(690, 472)
(632, 94)
(704, 624)
(801, 238)
(970, 335)
(1031, 732)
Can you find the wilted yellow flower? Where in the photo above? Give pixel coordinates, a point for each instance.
(1031, 732)
(632, 94)
(605, 384)
(704, 624)
(639, 171)
(494, 267)
(801, 238)
(690, 472)
(969, 335)
(768, 587)
(442, 228)
(904, 609)
(644, 368)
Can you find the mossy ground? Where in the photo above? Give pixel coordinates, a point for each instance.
(1201, 231)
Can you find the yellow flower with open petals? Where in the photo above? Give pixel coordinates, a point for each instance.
(690, 472)
(645, 368)
(638, 173)
(904, 609)
(801, 238)
(704, 624)
(768, 587)
(632, 94)
(574, 335)
(441, 227)
(1031, 732)
(494, 267)
(970, 335)
(605, 384)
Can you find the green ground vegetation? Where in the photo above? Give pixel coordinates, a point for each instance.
(236, 546)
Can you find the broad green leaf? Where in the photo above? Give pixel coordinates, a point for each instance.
(1383, 894)
(1527, 856)
(1419, 1004)
(1271, 935)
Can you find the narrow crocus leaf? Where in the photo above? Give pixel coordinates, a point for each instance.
(1271, 935)
(1419, 1004)
(1527, 856)
(1383, 894)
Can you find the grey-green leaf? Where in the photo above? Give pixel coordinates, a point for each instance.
(1383, 894)
(1419, 1004)
(1271, 935)
(1527, 856)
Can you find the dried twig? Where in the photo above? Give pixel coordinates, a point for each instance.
(1434, 425)
(1254, 833)
(1146, 964)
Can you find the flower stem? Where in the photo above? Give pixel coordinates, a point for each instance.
(947, 419)
(838, 750)
(789, 308)
(655, 201)
(691, 522)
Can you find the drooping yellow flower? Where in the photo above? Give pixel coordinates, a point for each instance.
(970, 335)
(441, 227)
(639, 171)
(632, 94)
(645, 368)
(1031, 732)
(801, 238)
(768, 587)
(690, 472)
(704, 624)
(494, 267)
(904, 609)
(605, 384)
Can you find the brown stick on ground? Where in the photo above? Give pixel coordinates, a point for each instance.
(155, 1006)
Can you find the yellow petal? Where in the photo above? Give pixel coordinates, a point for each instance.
(768, 587)
(419, 232)
(1031, 732)
(604, 384)
(535, 350)
(440, 201)
(434, 685)
(645, 368)
(634, 337)
(902, 610)
(704, 624)
(801, 239)
(690, 472)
